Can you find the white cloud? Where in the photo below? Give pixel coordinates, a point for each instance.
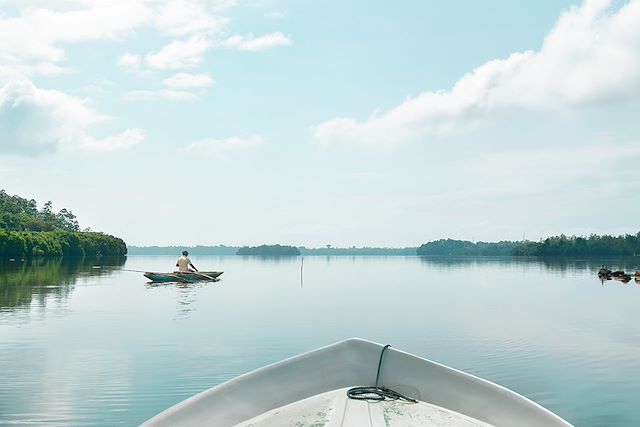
(212, 147)
(181, 18)
(48, 69)
(189, 53)
(179, 54)
(32, 42)
(150, 95)
(188, 81)
(44, 27)
(591, 56)
(34, 120)
(40, 31)
(220, 5)
(12, 68)
(122, 141)
(252, 43)
(130, 62)
(98, 87)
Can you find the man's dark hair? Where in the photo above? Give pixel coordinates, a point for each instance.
(185, 253)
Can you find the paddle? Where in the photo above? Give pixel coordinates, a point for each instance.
(179, 279)
(197, 273)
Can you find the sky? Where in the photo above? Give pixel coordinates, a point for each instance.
(362, 123)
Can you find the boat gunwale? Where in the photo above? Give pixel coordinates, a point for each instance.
(195, 273)
(183, 276)
(258, 372)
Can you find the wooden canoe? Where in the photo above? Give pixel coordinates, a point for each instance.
(184, 277)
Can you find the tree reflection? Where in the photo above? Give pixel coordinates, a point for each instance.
(554, 264)
(33, 281)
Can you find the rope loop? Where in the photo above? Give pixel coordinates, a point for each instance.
(377, 393)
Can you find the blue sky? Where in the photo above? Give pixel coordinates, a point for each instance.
(313, 123)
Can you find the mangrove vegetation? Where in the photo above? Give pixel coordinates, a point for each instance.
(466, 248)
(593, 245)
(354, 251)
(269, 250)
(26, 231)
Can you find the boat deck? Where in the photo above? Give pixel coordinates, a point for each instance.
(311, 390)
(335, 409)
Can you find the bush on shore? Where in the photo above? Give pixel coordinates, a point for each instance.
(23, 244)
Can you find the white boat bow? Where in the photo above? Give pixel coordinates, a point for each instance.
(311, 390)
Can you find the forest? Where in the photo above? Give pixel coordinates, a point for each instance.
(269, 250)
(26, 231)
(594, 245)
(466, 248)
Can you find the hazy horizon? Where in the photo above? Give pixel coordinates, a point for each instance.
(307, 123)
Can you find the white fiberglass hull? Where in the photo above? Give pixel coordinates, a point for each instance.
(310, 389)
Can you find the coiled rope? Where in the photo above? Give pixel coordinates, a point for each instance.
(377, 393)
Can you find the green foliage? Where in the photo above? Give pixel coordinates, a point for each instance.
(18, 214)
(27, 232)
(59, 243)
(466, 248)
(627, 245)
(353, 251)
(12, 244)
(269, 250)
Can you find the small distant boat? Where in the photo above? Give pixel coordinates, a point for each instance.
(623, 278)
(317, 389)
(184, 277)
(604, 272)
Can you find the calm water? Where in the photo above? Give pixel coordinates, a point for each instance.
(81, 345)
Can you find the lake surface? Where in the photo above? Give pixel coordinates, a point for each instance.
(81, 345)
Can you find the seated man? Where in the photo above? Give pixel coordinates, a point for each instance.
(184, 263)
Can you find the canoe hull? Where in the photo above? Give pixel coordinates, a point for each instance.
(183, 277)
(353, 363)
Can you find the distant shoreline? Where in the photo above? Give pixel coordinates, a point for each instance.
(233, 250)
(522, 257)
(556, 246)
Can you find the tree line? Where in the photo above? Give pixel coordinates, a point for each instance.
(466, 248)
(27, 232)
(593, 245)
(354, 251)
(623, 245)
(269, 250)
(19, 214)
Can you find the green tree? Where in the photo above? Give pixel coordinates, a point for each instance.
(26, 231)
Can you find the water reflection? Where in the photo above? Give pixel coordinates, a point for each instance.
(186, 295)
(554, 264)
(116, 351)
(272, 259)
(33, 281)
